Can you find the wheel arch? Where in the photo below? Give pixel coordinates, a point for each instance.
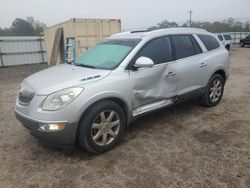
(222, 73)
(219, 71)
(117, 100)
(228, 46)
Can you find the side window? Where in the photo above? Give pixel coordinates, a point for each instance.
(159, 50)
(184, 46)
(227, 37)
(220, 37)
(197, 47)
(209, 41)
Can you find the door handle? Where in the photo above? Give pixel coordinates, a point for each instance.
(203, 65)
(171, 74)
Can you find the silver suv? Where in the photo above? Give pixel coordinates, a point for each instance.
(127, 75)
(226, 40)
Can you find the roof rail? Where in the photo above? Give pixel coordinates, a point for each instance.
(141, 31)
(194, 28)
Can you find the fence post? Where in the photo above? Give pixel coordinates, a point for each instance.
(41, 47)
(1, 58)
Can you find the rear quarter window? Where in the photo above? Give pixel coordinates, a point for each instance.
(227, 37)
(210, 42)
(220, 37)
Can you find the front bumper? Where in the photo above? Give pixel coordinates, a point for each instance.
(64, 138)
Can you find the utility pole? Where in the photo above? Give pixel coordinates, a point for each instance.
(190, 17)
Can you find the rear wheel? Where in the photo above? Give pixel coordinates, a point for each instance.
(242, 44)
(228, 47)
(214, 91)
(101, 127)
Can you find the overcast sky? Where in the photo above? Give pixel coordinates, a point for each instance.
(135, 14)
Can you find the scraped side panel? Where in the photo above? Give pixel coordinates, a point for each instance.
(152, 85)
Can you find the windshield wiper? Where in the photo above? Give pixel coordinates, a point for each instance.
(83, 65)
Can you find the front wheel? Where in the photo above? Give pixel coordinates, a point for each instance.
(214, 91)
(242, 44)
(228, 47)
(101, 127)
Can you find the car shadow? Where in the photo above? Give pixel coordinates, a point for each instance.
(144, 123)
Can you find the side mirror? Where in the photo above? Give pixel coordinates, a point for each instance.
(144, 62)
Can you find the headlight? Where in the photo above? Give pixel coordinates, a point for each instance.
(60, 99)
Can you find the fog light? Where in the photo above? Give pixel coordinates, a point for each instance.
(51, 127)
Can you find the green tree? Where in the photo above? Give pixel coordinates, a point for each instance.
(247, 26)
(228, 25)
(21, 27)
(185, 25)
(37, 25)
(164, 24)
(5, 32)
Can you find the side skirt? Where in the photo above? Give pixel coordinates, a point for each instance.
(153, 106)
(167, 102)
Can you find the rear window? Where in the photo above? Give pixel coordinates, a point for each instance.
(209, 41)
(227, 37)
(185, 46)
(220, 37)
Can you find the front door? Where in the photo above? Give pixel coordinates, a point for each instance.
(153, 86)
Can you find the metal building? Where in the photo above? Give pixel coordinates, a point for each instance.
(87, 32)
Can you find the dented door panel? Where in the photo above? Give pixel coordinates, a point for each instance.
(153, 84)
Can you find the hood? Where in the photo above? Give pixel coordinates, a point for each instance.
(63, 76)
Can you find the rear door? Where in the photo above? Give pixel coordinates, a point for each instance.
(191, 70)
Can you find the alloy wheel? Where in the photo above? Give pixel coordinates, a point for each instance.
(105, 128)
(215, 91)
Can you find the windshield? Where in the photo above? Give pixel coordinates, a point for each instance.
(107, 55)
(227, 37)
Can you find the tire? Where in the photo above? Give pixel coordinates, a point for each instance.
(214, 91)
(242, 44)
(99, 129)
(228, 47)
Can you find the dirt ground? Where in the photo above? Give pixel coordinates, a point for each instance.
(184, 146)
